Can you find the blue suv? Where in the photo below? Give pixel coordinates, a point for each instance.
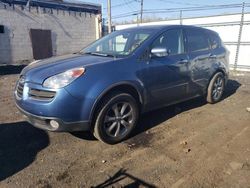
(106, 86)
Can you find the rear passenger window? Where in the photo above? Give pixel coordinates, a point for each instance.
(197, 40)
(215, 41)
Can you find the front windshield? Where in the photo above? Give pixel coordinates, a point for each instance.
(119, 43)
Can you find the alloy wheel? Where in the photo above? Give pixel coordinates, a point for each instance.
(217, 88)
(119, 119)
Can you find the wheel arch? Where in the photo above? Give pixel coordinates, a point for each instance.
(125, 87)
(218, 69)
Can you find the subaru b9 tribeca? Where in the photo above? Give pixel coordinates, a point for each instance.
(106, 86)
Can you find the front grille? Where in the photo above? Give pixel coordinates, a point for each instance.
(41, 94)
(19, 89)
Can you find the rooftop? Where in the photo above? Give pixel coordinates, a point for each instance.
(59, 4)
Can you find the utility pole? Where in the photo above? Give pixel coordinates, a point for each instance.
(137, 18)
(141, 9)
(109, 16)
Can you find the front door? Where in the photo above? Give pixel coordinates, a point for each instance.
(166, 76)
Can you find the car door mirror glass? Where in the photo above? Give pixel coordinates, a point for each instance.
(159, 52)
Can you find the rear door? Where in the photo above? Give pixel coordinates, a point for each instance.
(198, 46)
(218, 51)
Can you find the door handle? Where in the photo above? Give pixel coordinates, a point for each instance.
(212, 56)
(183, 61)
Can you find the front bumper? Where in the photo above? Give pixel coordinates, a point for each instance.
(45, 123)
(51, 110)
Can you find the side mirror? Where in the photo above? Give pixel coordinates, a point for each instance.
(159, 52)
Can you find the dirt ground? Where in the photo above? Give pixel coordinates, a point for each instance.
(192, 144)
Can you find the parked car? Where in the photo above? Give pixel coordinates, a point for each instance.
(106, 86)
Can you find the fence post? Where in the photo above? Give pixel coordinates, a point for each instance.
(239, 36)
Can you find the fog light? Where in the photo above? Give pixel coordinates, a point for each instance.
(54, 124)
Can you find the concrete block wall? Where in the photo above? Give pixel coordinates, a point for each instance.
(71, 31)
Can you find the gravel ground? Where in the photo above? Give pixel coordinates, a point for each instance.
(192, 144)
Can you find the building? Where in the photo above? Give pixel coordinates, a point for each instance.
(45, 28)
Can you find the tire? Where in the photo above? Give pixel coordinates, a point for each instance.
(216, 88)
(116, 118)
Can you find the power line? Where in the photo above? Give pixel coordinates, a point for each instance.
(197, 8)
(181, 3)
(128, 5)
(210, 7)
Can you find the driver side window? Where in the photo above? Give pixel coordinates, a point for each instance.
(171, 40)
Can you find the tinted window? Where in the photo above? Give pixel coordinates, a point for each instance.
(214, 40)
(138, 39)
(172, 40)
(197, 40)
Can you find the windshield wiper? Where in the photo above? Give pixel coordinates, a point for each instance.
(100, 54)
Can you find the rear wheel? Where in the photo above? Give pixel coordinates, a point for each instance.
(116, 118)
(216, 88)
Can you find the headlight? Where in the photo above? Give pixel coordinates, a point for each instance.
(63, 79)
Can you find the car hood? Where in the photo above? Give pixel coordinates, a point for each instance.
(39, 71)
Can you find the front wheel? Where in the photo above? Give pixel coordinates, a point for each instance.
(116, 118)
(216, 88)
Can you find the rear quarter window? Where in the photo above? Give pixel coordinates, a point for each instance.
(197, 40)
(215, 40)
